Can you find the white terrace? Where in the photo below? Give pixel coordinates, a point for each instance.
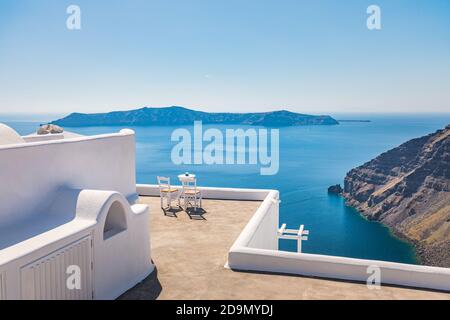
(69, 206)
(189, 253)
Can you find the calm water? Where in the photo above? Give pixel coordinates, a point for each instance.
(311, 159)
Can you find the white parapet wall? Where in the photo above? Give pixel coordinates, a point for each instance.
(261, 231)
(152, 190)
(32, 172)
(256, 249)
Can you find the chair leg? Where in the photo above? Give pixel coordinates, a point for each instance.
(196, 203)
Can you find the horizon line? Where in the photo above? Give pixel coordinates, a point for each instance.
(320, 112)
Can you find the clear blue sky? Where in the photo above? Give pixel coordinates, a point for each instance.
(225, 55)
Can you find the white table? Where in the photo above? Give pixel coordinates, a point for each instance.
(186, 178)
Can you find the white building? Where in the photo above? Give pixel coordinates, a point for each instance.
(70, 227)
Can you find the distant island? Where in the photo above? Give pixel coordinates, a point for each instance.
(172, 116)
(353, 120)
(408, 189)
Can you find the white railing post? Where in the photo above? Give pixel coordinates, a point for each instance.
(300, 235)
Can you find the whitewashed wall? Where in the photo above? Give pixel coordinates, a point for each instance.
(261, 230)
(245, 258)
(31, 173)
(55, 192)
(211, 192)
(119, 262)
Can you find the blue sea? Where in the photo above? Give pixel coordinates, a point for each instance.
(311, 159)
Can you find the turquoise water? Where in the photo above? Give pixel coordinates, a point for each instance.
(311, 159)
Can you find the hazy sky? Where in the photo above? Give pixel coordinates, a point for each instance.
(225, 55)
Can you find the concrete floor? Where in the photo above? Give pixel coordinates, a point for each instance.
(190, 253)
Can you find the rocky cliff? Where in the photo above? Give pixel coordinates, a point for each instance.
(408, 189)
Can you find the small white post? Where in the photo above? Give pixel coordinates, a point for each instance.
(282, 229)
(300, 235)
(299, 240)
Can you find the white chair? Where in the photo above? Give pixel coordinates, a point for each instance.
(167, 192)
(190, 194)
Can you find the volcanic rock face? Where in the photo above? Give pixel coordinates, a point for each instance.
(408, 189)
(337, 189)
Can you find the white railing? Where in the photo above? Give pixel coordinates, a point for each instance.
(299, 235)
(255, 251)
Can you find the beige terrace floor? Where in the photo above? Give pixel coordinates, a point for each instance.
(190, 254)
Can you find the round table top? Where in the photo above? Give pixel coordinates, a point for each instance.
(184, 177)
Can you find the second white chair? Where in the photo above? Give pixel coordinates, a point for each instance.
(191, 195)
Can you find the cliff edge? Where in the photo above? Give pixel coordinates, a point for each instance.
(408, 189)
